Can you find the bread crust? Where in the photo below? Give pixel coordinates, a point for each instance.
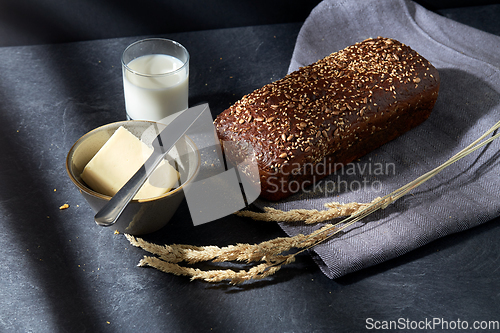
(331, 112)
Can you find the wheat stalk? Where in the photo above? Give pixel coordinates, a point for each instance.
(308, 216)
(270, 253)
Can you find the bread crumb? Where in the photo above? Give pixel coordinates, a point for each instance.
(117, 232)
(65, 206)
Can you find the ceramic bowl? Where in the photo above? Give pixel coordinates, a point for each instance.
(144, 215)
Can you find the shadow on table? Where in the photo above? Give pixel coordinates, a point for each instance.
(32, 225)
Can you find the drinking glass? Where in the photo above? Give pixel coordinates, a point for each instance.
(155, 78)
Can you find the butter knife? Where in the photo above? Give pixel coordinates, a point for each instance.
(168, 137)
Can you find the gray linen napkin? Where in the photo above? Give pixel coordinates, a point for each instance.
(464, 195)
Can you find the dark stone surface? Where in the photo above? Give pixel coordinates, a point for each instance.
(62, 273)
(29, 22)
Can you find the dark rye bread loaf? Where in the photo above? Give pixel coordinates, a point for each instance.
(331, 112)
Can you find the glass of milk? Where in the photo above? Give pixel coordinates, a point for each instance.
(155, 78)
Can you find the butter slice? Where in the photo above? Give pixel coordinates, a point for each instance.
(119, 159)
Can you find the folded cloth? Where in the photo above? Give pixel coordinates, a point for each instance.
(465, 194)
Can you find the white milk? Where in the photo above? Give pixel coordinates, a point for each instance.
(161, 90)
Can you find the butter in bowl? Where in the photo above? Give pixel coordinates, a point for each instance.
(117, 161)
(103, 160)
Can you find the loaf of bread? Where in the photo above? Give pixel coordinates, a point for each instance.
(331, 112)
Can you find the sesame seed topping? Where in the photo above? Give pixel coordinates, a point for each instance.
(330, 104)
